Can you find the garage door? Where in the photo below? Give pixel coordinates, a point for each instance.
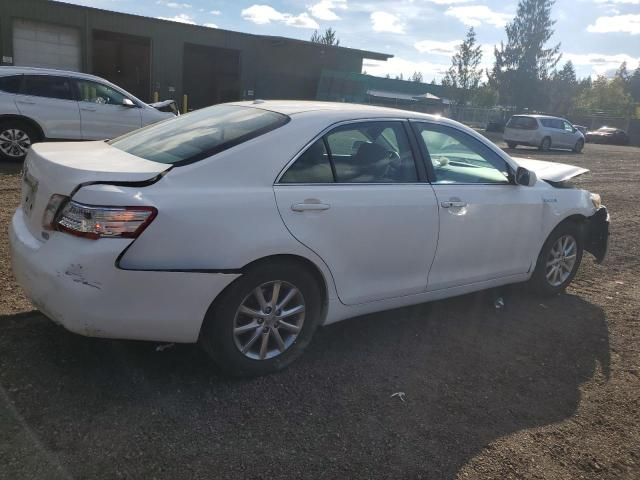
(37, 44)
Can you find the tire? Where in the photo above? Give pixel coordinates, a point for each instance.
(512, 145)
(16, 136)
(578, 146)
(545, 146)
(540, 280)
(218, 337)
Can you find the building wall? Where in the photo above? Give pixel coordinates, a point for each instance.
(270, 67)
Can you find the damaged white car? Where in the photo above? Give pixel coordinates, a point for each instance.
(245, 226)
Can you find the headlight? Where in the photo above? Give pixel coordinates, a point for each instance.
(596, 200)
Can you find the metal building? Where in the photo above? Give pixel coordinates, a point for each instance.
(147, 55)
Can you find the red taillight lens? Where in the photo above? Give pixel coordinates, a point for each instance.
(95, 222)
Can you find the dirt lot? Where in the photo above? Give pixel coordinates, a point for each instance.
(541, 389)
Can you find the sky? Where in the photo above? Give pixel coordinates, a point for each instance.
(596, 35)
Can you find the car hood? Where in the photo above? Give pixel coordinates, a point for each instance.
(552, 171)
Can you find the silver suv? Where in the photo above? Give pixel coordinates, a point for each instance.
(38, 104)
(542, 131)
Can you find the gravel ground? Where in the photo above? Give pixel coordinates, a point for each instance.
(540, 389)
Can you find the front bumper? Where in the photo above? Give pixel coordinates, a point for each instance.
(597, 234)
(75, 282)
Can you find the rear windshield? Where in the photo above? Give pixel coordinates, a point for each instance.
(200, 134)
(523, 123)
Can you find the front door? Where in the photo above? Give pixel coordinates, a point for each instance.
(102, 113)
(355, 199)
(488, 226)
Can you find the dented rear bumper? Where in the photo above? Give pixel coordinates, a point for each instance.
(597, 234)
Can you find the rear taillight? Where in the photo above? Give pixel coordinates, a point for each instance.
(91, 221)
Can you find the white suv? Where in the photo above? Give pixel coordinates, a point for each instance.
(542, 131)
(38, 104)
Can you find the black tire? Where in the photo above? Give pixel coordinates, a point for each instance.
(512, 145)
(217, 334)
(539, 281)
(8, 129)
(545, 145)
(578, 146)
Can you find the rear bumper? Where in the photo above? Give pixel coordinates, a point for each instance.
(75, 283)
(597, 234)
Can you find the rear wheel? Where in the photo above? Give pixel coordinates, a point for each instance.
(545, 146)
(578, 146)
(263, 321)
(512, 144)
(15, 139)
(559, 260)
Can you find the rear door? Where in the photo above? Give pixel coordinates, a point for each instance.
(102, 113)
(355, 198)
(49, 100)
(488, 226)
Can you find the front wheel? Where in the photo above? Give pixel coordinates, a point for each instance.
(263, 321)
(559, 260)
(578, 146)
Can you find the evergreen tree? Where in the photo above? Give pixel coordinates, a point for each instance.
(417, 77)
(562, 89)
(329, 37)
(634, 85)
(525, 60)
(463, 75)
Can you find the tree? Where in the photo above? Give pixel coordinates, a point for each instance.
(524, 61)
(605, 95)
(463, 75)
(329, 37)
(623, 73)
(417, 77)
(634, 85)
(562, 89)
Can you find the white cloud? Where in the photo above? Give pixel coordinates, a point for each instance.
(628, 2)
(396, 66)
(435, 47)
(211, 25)
(181, 17)
(476, 15)
(619, 23)
(449, 2)
(173, 4)
(215, 12)
(263, 14)
(600, 63)
(324, 9)
(386, 22)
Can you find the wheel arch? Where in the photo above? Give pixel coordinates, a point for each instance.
(29, 121)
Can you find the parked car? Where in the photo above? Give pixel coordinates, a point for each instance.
(613, 136)
(542, 131)
(245, 226)
(40, 104)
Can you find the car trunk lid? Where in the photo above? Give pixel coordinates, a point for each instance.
(552, 171)
(60, 168)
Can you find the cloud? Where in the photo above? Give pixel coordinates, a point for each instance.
(628, 2)
(396, 66)
(263, 14)
(600, 63)
(211, 25)
(181, 17)
(435, 47)
(449, 2)
(386, 22)
(617, 24)
(173, 4)
(476, 15)
(215, 12)
(324, 9)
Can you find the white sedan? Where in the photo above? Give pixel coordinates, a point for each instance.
(245, 226)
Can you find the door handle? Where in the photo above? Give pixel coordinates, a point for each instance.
(87, 109)
(309, 206)
(451, 204)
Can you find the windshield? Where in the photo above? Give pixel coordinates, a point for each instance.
(200, 134)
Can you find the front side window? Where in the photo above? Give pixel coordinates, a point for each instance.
(568, 127)
(47, 86)
(10, 84)
(200, 134)
(459, 158)
(95, 92)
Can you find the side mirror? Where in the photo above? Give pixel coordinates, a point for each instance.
(127, 103)
(525, 177)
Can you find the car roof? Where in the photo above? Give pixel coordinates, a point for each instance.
(4, 71)
(537, 115)
(339, 110)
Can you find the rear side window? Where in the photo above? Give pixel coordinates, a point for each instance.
(47, 86)
(523, 123)
(10, 84)
(313, 166)
(200, 134)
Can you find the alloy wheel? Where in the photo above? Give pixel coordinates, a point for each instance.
(269, 320)
(14, 142)
(561, 260)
